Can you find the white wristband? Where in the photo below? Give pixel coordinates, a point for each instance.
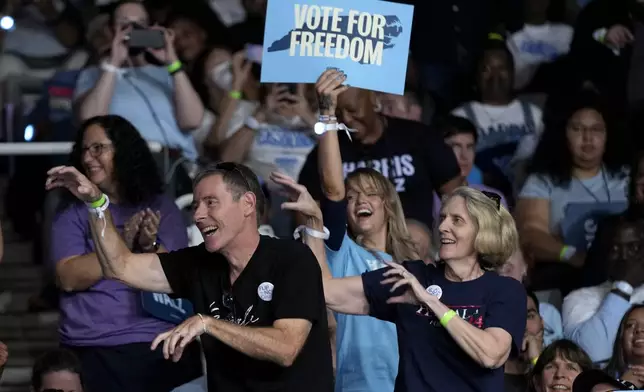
(312, 232)
(322, 128)
(107, 67)
(99, 212)
(624, 287)
(252, 123)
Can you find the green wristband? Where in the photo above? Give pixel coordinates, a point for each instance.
(447, 317)
(98, 203)
(174, 67)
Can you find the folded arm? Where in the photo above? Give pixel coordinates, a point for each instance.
(595, 334)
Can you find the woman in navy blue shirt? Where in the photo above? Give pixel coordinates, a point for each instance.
(458, 321)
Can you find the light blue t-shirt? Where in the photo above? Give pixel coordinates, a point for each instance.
(144, 96)
(367, 348)
(601, 188)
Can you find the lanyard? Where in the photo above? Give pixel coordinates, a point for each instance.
(591, 193)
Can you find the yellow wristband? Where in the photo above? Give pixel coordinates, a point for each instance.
(98, 203)
(534, 360)
(234, 94)
(495, 37)
(447, 317)
(174, 67)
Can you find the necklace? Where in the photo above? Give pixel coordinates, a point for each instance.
(591, 193)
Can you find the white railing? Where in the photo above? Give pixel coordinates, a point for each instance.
(51, 148)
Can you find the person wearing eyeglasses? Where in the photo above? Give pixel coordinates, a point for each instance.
(108, 325)
(259, 301)
(57, 371)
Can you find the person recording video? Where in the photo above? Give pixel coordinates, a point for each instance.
(142, 80)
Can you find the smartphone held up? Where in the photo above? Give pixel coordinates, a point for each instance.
(142, 38)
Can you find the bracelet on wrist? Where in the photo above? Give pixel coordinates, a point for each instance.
(153, 248)
(567, 252)
(235, 94)
(311, 232)
(534, 360)
(447, 317)
(98, 209)
(174, 67)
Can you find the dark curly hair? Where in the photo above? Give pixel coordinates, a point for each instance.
(553, 157)
(136, 173)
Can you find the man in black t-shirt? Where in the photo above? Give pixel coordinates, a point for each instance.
(259, 301)
(410, 154)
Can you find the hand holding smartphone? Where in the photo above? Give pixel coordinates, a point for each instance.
(145, 39)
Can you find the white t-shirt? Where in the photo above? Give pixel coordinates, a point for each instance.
(503, 125)
(277, 148)
(534, 45)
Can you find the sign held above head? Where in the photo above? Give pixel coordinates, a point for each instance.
(369, 41)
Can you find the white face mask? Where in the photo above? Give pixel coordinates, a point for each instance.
(222, 76)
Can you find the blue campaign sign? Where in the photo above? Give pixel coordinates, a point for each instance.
(580, 221)
(367, 39)
(161, 306)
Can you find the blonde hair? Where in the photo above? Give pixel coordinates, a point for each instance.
(399, 242)
(496, 238)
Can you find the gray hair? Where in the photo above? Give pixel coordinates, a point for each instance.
(239, 178)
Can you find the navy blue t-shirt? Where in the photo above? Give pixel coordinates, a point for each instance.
(430, 359)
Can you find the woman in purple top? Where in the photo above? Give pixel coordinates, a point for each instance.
(102, 320)
(460, 134)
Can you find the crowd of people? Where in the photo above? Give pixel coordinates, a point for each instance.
(482, 232)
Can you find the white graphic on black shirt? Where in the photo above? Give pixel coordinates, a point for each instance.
(472, 314)
(247, 319)
(397, 168)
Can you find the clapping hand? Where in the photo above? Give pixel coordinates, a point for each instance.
(149, 229)
(70, 178)
(300, 200)
(131, 229)
(176, 339)
(415, 293)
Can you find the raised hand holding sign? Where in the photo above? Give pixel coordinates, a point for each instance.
(369, 40)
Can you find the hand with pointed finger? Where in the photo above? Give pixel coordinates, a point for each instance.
(328, 87)
(300, 199)
(415, 293)
(74, 181)
(176, 339)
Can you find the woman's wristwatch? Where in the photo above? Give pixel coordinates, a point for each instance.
(153, 248)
